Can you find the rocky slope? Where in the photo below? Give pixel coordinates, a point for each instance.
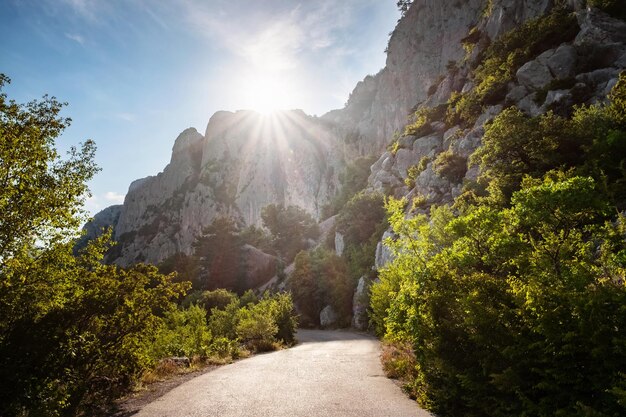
(581, 70)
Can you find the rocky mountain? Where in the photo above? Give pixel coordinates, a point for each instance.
(578, 66)
(437, 62)
(244, 162)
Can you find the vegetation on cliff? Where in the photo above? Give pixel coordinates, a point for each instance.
(512, 301)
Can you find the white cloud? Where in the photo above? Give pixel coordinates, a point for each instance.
(127, 117)
(113, 197)
(75, 37)
(89, 9)
(92, 205)
(272, 38)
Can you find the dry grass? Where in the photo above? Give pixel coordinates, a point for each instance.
(398, 361)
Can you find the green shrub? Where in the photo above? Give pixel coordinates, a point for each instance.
(412, 173)
(284, 315)
(224, 348)
(421, 120)
(184, 333)
(223, 322)
(450, 166)
(256, 328)
(505, 302)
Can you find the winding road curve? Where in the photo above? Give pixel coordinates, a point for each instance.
(330, 373)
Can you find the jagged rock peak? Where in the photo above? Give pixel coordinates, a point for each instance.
(244, 162)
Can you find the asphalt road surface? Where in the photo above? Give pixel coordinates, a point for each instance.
(330, 373)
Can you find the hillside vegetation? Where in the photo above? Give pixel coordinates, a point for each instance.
(512, 300)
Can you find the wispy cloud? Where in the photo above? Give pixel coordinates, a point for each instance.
(89, 9)
(113, 197)
(127, 117)
(75, 37)
(92, 205)
(273, 38)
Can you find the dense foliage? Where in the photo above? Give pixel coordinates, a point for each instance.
(74, 332)
(211, 325)
(352, 181)
(290, 227)
(362, 222)
(513, 300)
(321, 278)
(218, 257)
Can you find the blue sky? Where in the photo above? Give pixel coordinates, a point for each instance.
(138, 72)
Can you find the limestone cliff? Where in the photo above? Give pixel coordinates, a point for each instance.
(244, 162)
(423, 46)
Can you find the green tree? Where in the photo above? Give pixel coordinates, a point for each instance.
(74, 333)
(304, 289)
(291, 227)
(321, 278)
(218, 256)
(504, 307)
(42, 193)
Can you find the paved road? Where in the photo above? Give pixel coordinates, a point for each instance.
(330, 373)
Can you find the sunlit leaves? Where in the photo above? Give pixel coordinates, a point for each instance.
(41, 192)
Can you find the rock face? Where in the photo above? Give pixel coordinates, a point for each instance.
(360, 302)
(98, 225)
(339, 244)
(422, 49)
(328, 317)
(244, 162)
(582, 70)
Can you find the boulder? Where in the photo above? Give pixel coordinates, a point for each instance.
(562, 63)
(488, 115)
(528, 105)
(427, 146)
(179, 361)
(388, 163)
(599, 76)
(534, 75)
(339, 244)
(326, 227)
(404, 160)
(360, 302)
(516, 94)
(260, 267)
(406, 142)
(596, 27)
(384, 181)
(555, 97)
(383, 253)
(328, 317)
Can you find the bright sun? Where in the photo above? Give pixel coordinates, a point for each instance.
(266, 93)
